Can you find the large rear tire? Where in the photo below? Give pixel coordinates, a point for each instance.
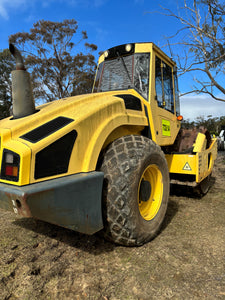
(136, 190)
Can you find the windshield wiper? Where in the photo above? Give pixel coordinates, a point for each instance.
(125, 68)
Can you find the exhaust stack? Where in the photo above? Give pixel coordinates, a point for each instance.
(22, 93)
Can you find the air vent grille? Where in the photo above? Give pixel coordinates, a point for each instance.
(54, 159)
(46, 129)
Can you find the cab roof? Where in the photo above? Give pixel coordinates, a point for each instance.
(130, 48)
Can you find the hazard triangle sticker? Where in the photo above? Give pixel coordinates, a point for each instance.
(187, 167)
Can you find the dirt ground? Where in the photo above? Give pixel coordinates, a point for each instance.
(185, 261)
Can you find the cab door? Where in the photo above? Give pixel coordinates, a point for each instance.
(166, 95)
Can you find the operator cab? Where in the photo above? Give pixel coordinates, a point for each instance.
(124, 67)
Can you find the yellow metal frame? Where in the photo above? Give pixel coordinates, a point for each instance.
(199, 164)
(205, 161)
(157, 115)
(100, 118)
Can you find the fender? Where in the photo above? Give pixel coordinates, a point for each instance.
(108, 131)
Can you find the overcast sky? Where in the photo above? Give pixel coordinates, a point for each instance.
(194, 106)
(108, 23)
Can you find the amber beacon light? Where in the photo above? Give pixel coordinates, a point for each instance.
(179, 118)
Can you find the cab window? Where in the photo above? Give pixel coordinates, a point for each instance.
(141, 73)
(177, 101)
(164, 85)
(158, 82)
(124, 72)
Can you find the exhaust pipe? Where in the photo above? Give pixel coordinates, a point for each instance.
(22, 93)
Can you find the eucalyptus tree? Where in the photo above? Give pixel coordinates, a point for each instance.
(202, 35)
(54, 56)
(6, 66)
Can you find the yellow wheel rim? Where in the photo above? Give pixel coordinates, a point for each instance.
(150, 203)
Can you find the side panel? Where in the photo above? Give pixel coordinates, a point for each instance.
(182, 163)
(200, 164)
(205, 161)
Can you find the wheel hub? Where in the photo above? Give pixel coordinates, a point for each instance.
(150, 192)
(145, 190)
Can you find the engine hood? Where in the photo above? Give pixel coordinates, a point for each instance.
(77, 108)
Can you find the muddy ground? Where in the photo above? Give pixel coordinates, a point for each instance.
(185, 261)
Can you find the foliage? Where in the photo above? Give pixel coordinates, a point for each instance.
(203, 37)
(57, 71)
(6, 65)
(212, 124)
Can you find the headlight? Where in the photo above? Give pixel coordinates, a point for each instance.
(128, 47)
(106, 54)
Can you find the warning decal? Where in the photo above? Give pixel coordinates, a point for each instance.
(187, 167)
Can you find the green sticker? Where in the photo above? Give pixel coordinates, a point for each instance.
(166, 128)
